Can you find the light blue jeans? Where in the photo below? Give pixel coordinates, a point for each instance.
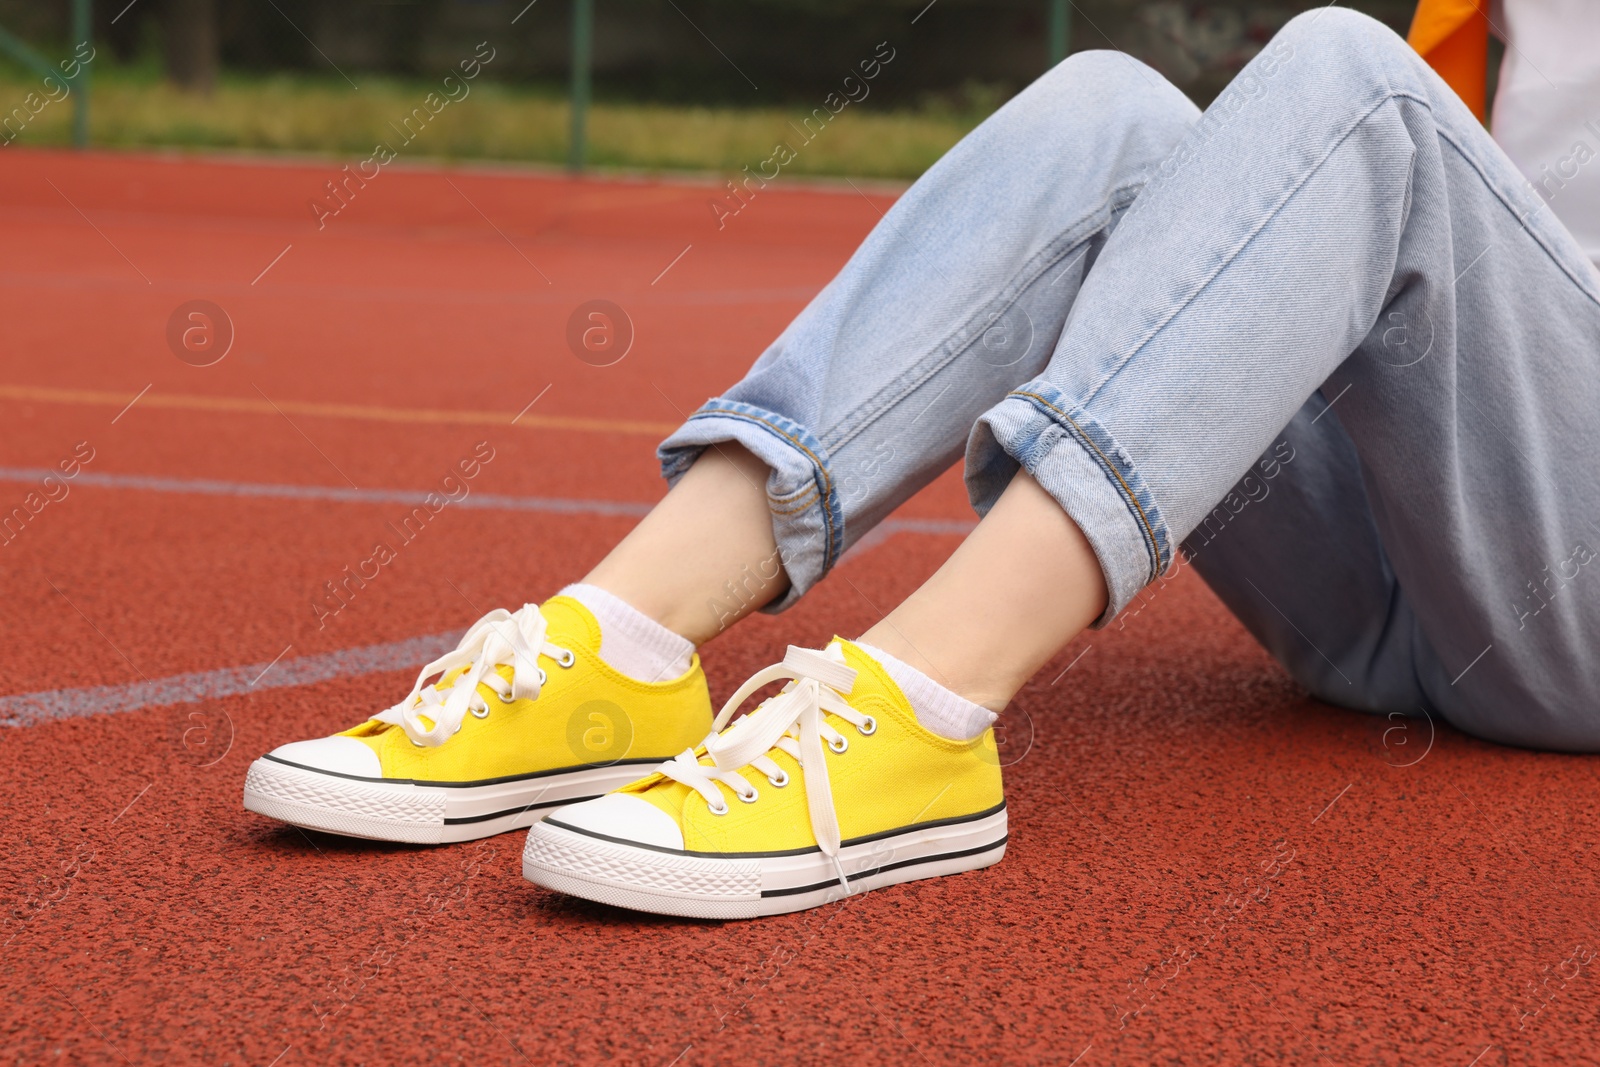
(1322, 341)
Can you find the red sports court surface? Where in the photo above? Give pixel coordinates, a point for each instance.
(1205, 865)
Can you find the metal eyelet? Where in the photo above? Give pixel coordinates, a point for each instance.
(722, 810)
(752, 798)
(543, 677)
(780, 781)
(567, 658)
(840, 747)
(476, 714)
(868, 728)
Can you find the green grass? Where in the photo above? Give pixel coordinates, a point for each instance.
(132, 108)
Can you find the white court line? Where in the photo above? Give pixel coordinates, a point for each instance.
(332, 493)
(28, 709)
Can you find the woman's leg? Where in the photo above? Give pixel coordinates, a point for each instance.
(1016, 590)
(1338, 221)
(959, 294)
(706, 555)
(1174, 406)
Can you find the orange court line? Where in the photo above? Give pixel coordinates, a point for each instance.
(249, 405)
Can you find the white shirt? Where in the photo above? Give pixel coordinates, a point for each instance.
(1547, 107)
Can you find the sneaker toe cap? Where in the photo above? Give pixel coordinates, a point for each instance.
(336, 755)
(625, 817)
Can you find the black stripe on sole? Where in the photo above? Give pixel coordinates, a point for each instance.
(864, 839)
(518, 811)
(650, 760)
(886, 867)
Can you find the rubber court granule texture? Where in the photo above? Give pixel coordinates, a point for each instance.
(1205, 866)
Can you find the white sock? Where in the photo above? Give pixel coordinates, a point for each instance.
(631, 641)
(937, 708)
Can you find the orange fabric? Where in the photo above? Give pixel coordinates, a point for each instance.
(1453, 36)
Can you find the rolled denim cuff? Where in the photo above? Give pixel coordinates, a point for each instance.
(807, 521)
(1079, 463)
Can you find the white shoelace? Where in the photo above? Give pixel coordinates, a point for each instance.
(502, 637)
(792, 722)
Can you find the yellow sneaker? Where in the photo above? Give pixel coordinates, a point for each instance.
(830, 788)
(525, 716)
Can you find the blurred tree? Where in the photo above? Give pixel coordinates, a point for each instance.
(189, 41)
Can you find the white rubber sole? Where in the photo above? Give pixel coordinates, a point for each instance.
(421, 813)
(744, 886)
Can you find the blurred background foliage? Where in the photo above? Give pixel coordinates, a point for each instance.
(678, 84)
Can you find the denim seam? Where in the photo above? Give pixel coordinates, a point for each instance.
(808, 491)
(865, 414)
(783, 498)
(1152, 545)
(1389, 94)
(797, 509)
(825, 490)
(1521, 219)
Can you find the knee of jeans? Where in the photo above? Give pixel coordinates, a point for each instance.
(1134, 91)
(1341, 24)
(1360, 44)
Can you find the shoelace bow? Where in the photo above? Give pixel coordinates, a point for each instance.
(502, 637)
(795, 722)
